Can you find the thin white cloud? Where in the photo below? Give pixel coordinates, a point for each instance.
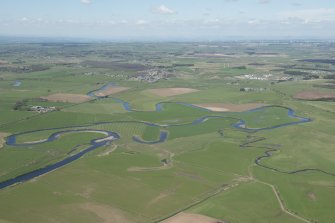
(253, 22)
(24, 19)
(309, 15)
(264, 1)
(162, 9)
(212, 22)
(296, 4)
(86, 2)
(111, 22)
(141, 22)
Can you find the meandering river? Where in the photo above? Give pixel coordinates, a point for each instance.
(111, 136)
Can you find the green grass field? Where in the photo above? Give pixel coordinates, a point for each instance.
(207, 167)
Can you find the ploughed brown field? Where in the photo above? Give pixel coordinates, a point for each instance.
(71, 98)
(166, 92)
(3, 62)
(222, 107)
(191, 218)
(314, 95)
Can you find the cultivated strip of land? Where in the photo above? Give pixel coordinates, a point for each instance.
(70, 98)
(226, 107)
(167, 92)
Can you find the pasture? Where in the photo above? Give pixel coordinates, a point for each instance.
(191, 145)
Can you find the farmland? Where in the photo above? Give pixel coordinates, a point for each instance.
(156, 132)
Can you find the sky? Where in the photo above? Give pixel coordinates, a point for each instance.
(168, 19)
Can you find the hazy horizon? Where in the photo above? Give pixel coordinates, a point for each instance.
(171, 20)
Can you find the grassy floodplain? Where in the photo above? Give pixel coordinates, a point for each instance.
(274, 167)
